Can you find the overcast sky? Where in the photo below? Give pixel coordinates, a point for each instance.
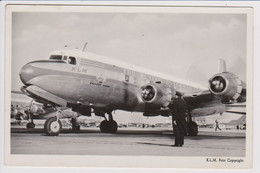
(187, 46)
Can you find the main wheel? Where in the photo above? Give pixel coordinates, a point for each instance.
(108, 126)
(30, 125)
(75, 126)
(113, 126)
(104, 126)
(192, 129)
(52, 127)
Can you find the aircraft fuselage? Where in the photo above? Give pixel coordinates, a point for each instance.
(91, 82)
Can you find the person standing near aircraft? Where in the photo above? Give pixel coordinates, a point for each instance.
(217, 126)
(179, 124)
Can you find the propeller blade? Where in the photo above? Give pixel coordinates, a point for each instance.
(221, 65)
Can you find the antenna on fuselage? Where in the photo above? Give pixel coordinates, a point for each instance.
(84, 48)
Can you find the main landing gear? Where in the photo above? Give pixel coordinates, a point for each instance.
(192, 127)
(53, 126)
(108, 126)
(75, 126)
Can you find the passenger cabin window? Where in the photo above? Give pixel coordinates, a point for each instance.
(127, 78)
(56, 57)
(135, 80)
(72, 60)
(65, 58)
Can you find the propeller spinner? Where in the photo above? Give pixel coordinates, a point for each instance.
(217, 84)
(148, 93)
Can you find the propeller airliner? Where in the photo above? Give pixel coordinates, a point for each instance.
(88, 83)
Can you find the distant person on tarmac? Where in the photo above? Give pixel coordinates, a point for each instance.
(217, 126)
(179, 109)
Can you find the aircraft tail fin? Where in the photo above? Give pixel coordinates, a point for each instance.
(221, 65)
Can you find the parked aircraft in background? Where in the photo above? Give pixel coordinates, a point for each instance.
(23, 108)
(88, 83)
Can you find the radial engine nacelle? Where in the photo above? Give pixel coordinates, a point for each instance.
(228, 87)
(157, 95)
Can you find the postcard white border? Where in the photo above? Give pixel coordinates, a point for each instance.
(169, 162)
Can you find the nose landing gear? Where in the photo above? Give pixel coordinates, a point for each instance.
(53, 126)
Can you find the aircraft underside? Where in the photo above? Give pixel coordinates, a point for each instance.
(53, 124)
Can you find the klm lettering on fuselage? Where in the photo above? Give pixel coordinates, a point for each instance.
(99, 79)
(79, 69)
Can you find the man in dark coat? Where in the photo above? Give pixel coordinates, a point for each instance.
(179, 110)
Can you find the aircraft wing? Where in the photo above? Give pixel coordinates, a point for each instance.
(206, 103)
(201, 99)
(203, 103)
(225, 88)
(237, 112)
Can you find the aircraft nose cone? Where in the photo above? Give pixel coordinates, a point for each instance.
(27, 73)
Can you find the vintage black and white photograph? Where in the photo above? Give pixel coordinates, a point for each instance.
(131, 84)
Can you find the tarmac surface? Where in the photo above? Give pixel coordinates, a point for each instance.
(128, 141)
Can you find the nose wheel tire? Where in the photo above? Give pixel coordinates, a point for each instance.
(52, 127)
(108, 126)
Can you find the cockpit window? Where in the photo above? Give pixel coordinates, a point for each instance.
(72, 60)
(56, 57)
